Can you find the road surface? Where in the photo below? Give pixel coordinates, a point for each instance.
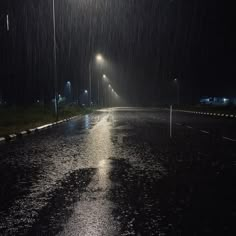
(117, 172)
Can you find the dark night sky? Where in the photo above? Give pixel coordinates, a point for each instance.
(147, 43)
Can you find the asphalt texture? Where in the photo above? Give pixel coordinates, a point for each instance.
(118, 172)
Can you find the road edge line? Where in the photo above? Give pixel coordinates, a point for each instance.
(12, 137)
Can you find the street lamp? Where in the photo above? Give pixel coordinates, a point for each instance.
(106, 94)
(99, 58)
(176, 81)
(110, 93)
(55, 60)
(100, 61)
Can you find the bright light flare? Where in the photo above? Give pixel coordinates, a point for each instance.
(99, 58)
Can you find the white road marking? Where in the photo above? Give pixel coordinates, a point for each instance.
(12, 136)
(229, 139)
(190, 127)
(23, 133)
(2, 139)
(204, 131)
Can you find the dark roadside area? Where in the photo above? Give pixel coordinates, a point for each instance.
(16, 119)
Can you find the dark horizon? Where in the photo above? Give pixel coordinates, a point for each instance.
(146, 44)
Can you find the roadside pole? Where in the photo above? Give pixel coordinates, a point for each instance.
(90, 87)
(171, 119)
(55, 60)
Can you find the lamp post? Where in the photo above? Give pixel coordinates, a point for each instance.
(109, 95)
(105, 80)
(7, 21)
(90, 90)
(99, 58)
(86, 96)
(178, 90)
(55, 60)
(6, 17)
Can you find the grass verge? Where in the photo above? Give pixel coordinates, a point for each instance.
(16, 119)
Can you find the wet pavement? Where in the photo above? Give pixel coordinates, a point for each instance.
(117, 172)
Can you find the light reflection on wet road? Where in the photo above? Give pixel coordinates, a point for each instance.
(117, 173)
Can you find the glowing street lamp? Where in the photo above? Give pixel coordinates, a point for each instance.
(99, 58)
(100, 61)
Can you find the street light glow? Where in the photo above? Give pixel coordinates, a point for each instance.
(99, 58)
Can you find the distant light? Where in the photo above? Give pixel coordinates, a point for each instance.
(85, 91)
(225, 99)
(175, 79)
(99, 57)
(112, 90)
(109, 86)
(68, 82)
(104, 76)
(37, 101)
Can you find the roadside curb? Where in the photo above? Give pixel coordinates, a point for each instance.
(208, 113)
(12, 137)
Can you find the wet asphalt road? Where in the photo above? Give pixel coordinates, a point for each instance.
(117, 172)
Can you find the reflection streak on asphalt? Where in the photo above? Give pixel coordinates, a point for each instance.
(92, 215)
